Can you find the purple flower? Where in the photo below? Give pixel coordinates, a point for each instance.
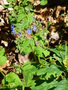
(12, 29)
(19, 33)
(33, 18)
(34, 28)
(29, 31)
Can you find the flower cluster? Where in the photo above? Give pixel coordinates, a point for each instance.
(34, 28)
(13, 30)
(29, 31)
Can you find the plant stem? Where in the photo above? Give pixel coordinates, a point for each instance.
(40, 61)
(2, 73)
(65, 49)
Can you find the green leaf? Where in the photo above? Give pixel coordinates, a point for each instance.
(25, 2)
(2, 51)
(28, 71)
(3, 60)
(65, 62)
(28, 8)
(55, 51)
(30, 18)
(49, 71)
(62, 85)
(11, 80)
(19, 17)
(44, 2)
(53, 70)
(3, 57)
(25, 45)
(28, 46)
(41, 71)
(45, 86)
(41, 52)
(46, 53)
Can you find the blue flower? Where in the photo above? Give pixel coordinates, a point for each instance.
(33, 18)
(19, 33)
(12, 29)
(29, 31)
(34, 28)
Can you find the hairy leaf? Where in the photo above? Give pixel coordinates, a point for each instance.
(11, 80)
(49, 71)
(28, 71)
(44, 2)
(45, 86)
(62, 85)
(3, 57)
(41, 52)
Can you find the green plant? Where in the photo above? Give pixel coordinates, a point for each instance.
(21, 16)
(3, 57)
(11, 82)
(49, 68)
(49, 73)
(36, 45)
(43, 2)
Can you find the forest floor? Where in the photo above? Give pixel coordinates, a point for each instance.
(57, 15)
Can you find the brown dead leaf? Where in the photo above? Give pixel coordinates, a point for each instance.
(36, 2)
(1, 8)
(23, 59)
(2, 68)
(1, 22)
(59, 9)
(5, 43)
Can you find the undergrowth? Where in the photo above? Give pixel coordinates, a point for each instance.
(49, 68)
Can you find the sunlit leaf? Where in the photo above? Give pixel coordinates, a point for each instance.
(44, 2)
(11, 80)
(45, 86)
(62, 85)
